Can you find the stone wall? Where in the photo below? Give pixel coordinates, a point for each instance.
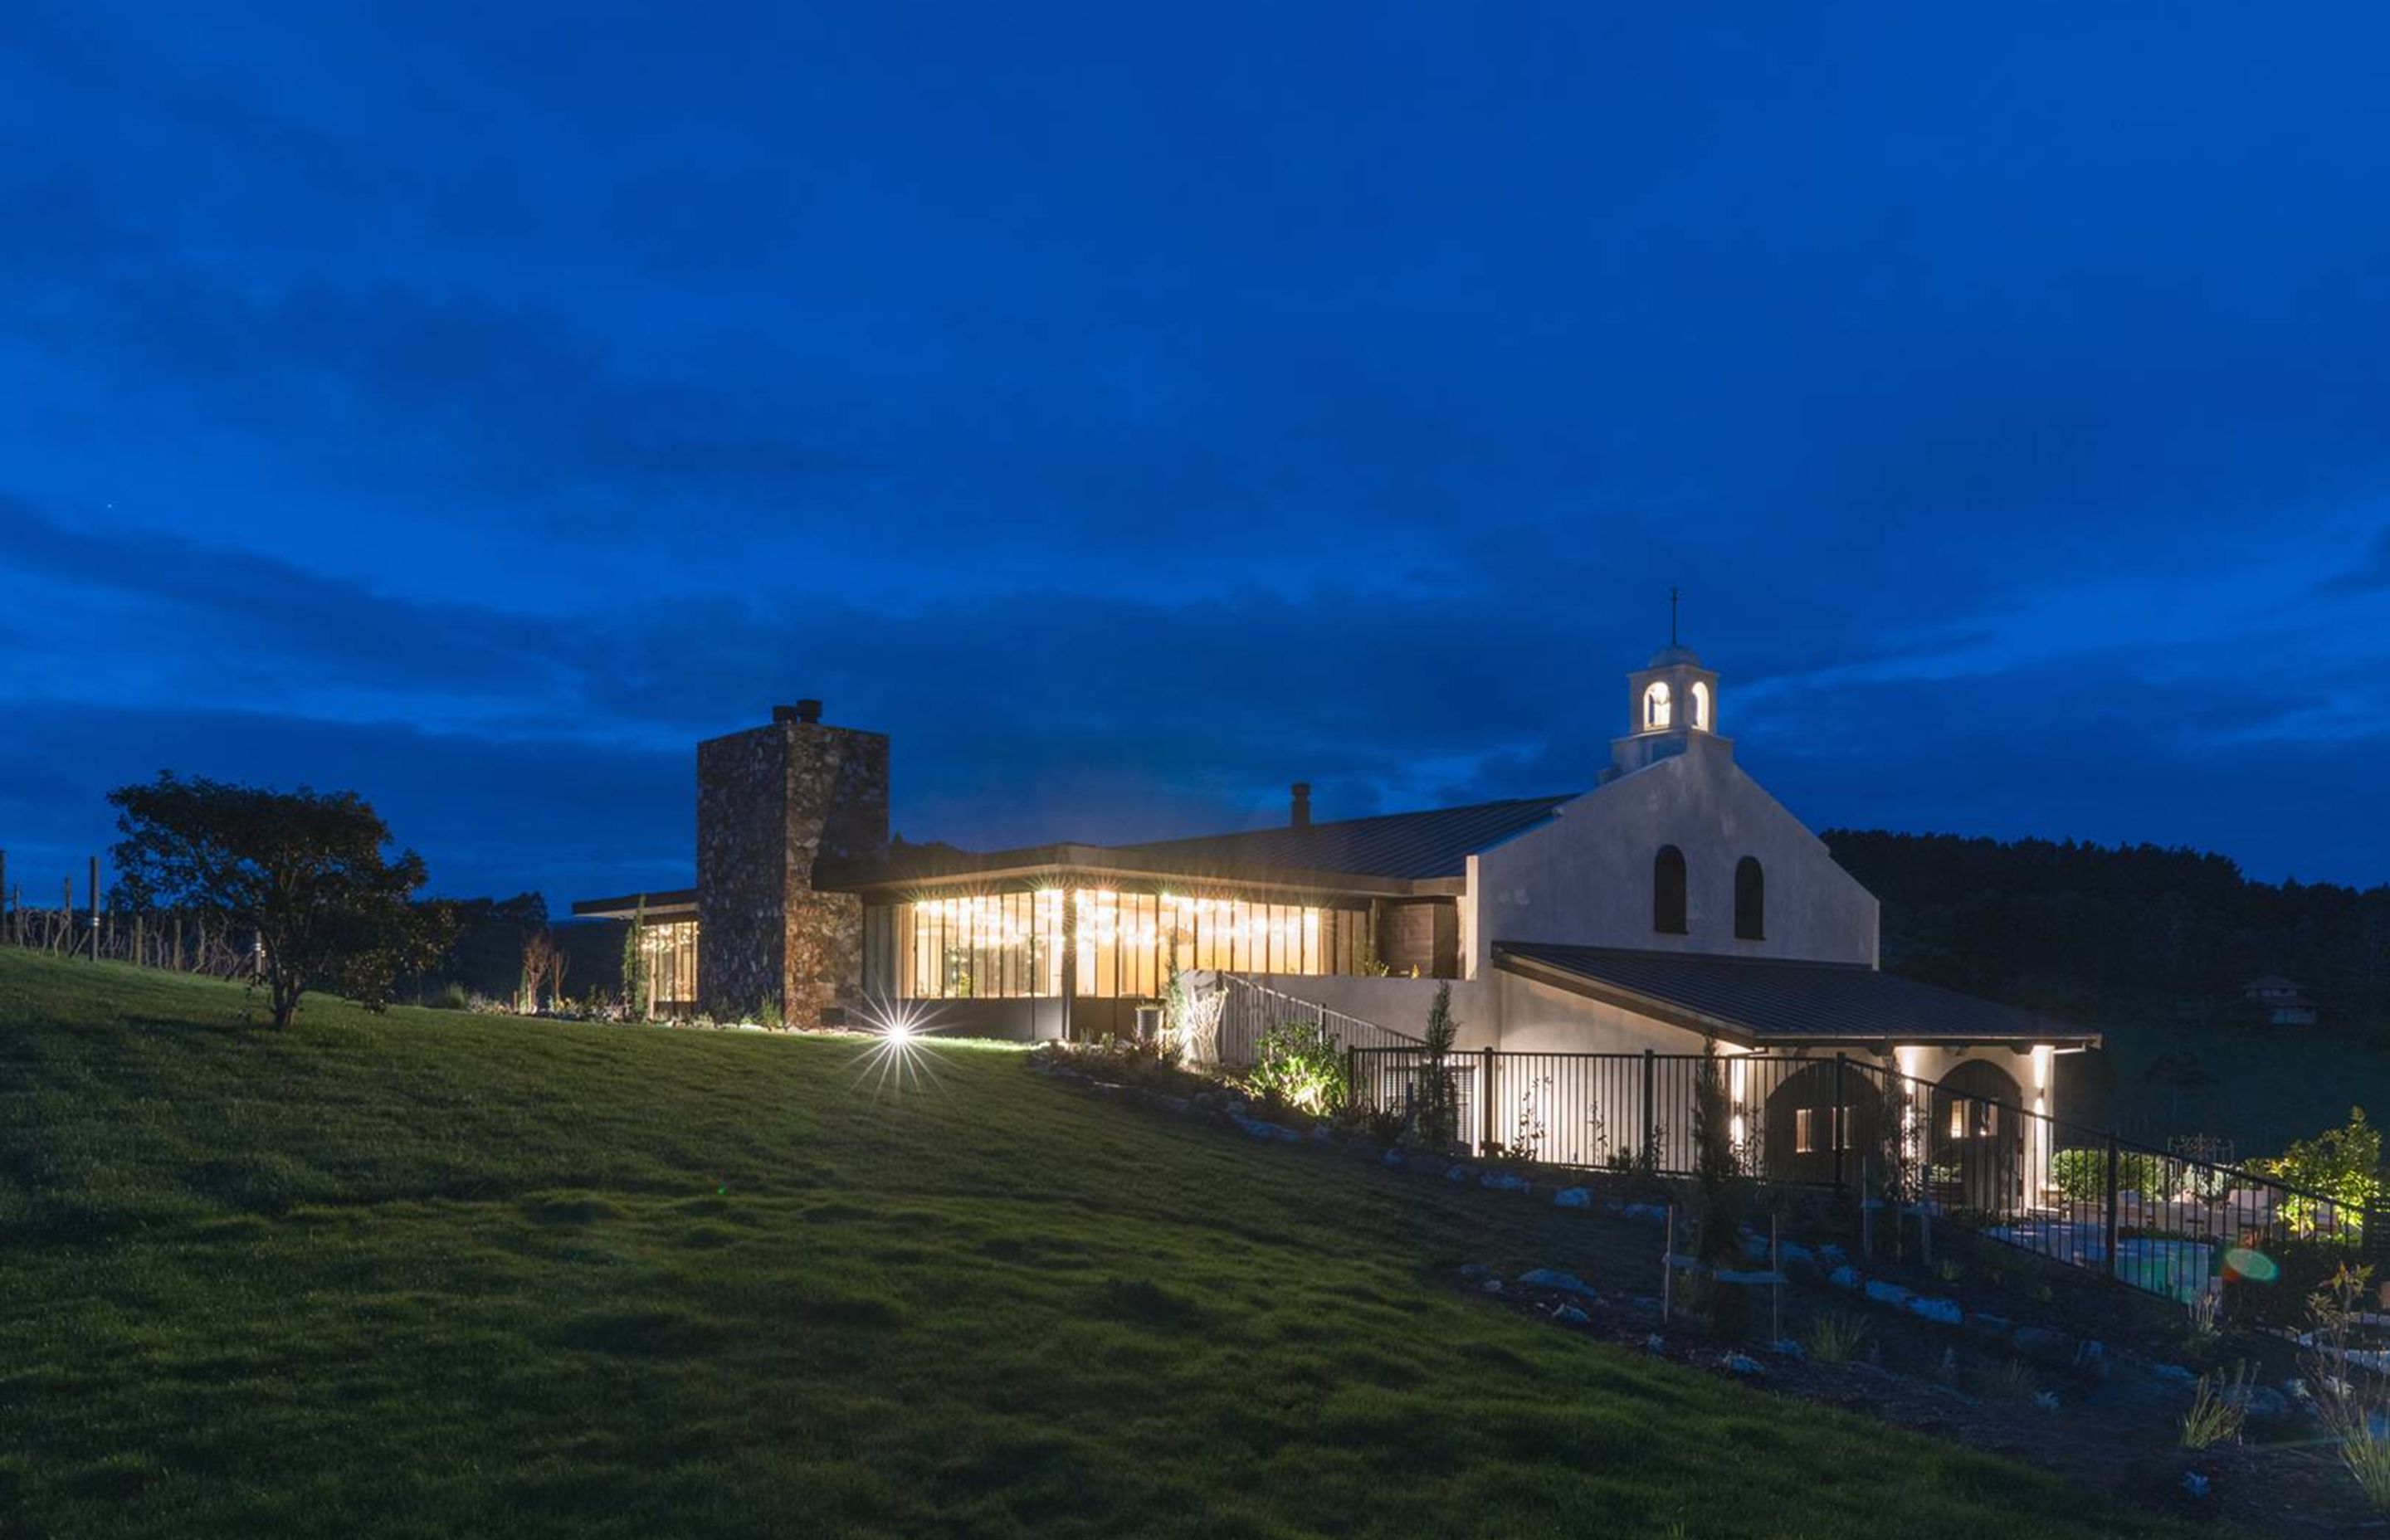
(771, 802)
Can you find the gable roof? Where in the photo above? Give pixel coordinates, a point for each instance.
(1763, 1002)
(1437, 842)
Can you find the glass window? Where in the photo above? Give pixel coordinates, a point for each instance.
(1010, 945)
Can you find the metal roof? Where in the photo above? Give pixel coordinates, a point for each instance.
(1757, 1000)
(1385, 853)
(1437, 842)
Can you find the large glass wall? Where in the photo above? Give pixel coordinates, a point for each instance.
(668, 950)
(1009, 945)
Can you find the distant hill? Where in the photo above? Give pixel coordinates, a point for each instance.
(2150, 945)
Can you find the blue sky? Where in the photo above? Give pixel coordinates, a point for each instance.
(1132, 409)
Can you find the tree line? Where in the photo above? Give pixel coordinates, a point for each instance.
(2140, 935)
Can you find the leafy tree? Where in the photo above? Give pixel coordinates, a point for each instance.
(634, 963)
(301, 871)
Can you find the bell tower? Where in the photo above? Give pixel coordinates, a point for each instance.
(1671, 703)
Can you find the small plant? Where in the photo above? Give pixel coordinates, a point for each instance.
(1301, 1065)
(2011, 1380)
(1438, 1109)
(1837, 1339)
(2218, 1404)
(2355, 1411)
(1527, 1137)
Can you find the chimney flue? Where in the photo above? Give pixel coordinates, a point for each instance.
(1299, 814)
(809, 711)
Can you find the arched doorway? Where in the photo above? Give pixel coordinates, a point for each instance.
(1801, 1126)
(1977, 1139)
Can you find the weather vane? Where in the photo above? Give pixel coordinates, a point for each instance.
(1673, 592)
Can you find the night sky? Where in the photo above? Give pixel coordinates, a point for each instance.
(1132, 409)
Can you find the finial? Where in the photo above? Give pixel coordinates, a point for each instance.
(1673, 592)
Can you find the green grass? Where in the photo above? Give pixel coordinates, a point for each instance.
(428, 1274)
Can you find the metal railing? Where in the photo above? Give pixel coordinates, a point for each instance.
(1250, 1010)
(1953, 1151)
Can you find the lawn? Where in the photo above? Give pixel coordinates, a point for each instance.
(428, 1274)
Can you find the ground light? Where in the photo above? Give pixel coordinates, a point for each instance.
(896, 1062)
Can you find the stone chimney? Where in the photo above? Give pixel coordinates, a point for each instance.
(1299, 814)
(771, 802)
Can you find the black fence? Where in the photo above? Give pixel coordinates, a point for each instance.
(1965, 1151)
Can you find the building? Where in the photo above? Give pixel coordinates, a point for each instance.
(2278, 1002)
(1673, 902)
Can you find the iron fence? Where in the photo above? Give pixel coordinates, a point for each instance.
(1952, 1151)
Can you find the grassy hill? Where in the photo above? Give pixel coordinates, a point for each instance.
(428, 1273)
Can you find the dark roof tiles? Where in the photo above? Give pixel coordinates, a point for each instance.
(1762, 1000)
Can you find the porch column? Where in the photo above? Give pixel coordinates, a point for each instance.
(1069, 958)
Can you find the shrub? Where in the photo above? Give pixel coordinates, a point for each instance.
(2343, 1165)
(2082, 1174)
(1301, 1065)
(1439, 1099)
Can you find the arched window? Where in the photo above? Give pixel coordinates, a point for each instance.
(1749, 900)
(1655, 705)
(1668, 891)
(1702, 705)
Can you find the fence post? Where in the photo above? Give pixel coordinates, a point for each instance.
(1835, 1117)
(1651, 1108)
(2108, 1231)
(1486, 1095)
(1352, 1075)
(91, 891)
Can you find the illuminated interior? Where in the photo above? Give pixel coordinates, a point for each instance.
(1010, 945)
(1656, 712)
(1700, 694)
(669, 952)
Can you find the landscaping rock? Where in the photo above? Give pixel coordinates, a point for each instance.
(2046, 1400)
(2261, 1404)
(2194, 1485)
(1572, 1197)
(1787, 1347)
(1794, 1253)
(1742, 1364)
(1892, 1294)
(1456, 1174)
(1503, 1181)
(2173, 1373)
(1395, 1158)
(1656, 1343)
(1991, 1328)
(1566, 1283)
(1941, 1312)
(1322, 1134)
(1492, 1286)
(1832, 1255)
(1569, 1314)
(2042, 1345)
(1177, 1106)
(1843, 1278)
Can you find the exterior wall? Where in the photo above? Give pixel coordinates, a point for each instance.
(1537, 1018)
(1399, 1005)
(770, 801)
(1585, 878)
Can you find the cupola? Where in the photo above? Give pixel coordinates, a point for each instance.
(1671, 701)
